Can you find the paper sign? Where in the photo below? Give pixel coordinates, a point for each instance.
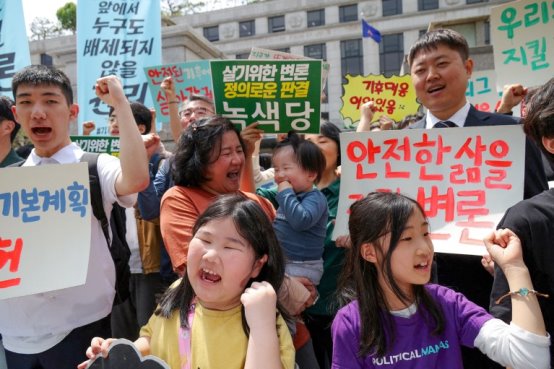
(481, 92)
(190, 78)
(279, 95)
(14, 45)
(44, 228)
(257, 53)
(115, 38)
(521, 33)
(464, 178)
(122, 354)
(98, 144)
(394, 97)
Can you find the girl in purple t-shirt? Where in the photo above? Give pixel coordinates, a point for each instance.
(394, 319)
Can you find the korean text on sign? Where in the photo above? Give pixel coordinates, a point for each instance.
(523, 47)
(189, 78)
(45, 228)
(481, 91)
(394, 97)
(279, 95)
(97, 144)
(115, 37)
(14, 46)
(464, 178)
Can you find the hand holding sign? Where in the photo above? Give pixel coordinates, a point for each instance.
(118, 354)
(169, 88)
(392, 96)
(250, 135)
(367, 111)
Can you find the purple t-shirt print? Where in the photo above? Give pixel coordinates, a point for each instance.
(414, 346)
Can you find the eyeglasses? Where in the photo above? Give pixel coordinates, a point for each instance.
(199, 112)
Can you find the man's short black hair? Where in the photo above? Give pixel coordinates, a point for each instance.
(6, 113)
(141, 114)
(39, 75)
(433, 39)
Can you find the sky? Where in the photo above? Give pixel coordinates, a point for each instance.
(47, 8)
(41, 8)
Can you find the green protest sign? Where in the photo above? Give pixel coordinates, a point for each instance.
(98, 144)
(280, 95)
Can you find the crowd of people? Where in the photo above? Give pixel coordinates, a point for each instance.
(228, 271)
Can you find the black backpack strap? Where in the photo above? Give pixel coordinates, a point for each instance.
(96, 192)
(17, 164)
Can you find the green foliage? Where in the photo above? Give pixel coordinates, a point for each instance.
(67, 15)
(173, 8)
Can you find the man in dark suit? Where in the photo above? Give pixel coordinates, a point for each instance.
(440, 68)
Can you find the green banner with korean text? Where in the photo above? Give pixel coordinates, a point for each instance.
(98, 144)
(280, 95)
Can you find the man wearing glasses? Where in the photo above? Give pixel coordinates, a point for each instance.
(187, 112)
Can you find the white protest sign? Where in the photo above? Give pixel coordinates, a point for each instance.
(521, 33)
(464, 178)
(44, 228)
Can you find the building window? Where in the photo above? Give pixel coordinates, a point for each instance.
(316, 18)
(391, 54)
(427, 4)
(242, 56)
(46, 59)
(351, 57)
(276, 24)
(468, 30)
(317, 51)
(391, 7)
(247, 28)
(211, 33)
(422, 32)
(283, 50)
(476, 1)
(487, 26)
(348, 13)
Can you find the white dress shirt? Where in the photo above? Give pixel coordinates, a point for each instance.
(459, 117)
(35, 323)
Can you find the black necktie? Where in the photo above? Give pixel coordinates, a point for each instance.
(445, 124)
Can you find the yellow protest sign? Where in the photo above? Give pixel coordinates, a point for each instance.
(394, 97)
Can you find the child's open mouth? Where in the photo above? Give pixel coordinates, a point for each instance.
(209, 276)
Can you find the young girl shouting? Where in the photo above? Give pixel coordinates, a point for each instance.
(396, 320)
(224, 312)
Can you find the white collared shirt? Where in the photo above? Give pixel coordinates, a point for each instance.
(35, 323)
(459, 117)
